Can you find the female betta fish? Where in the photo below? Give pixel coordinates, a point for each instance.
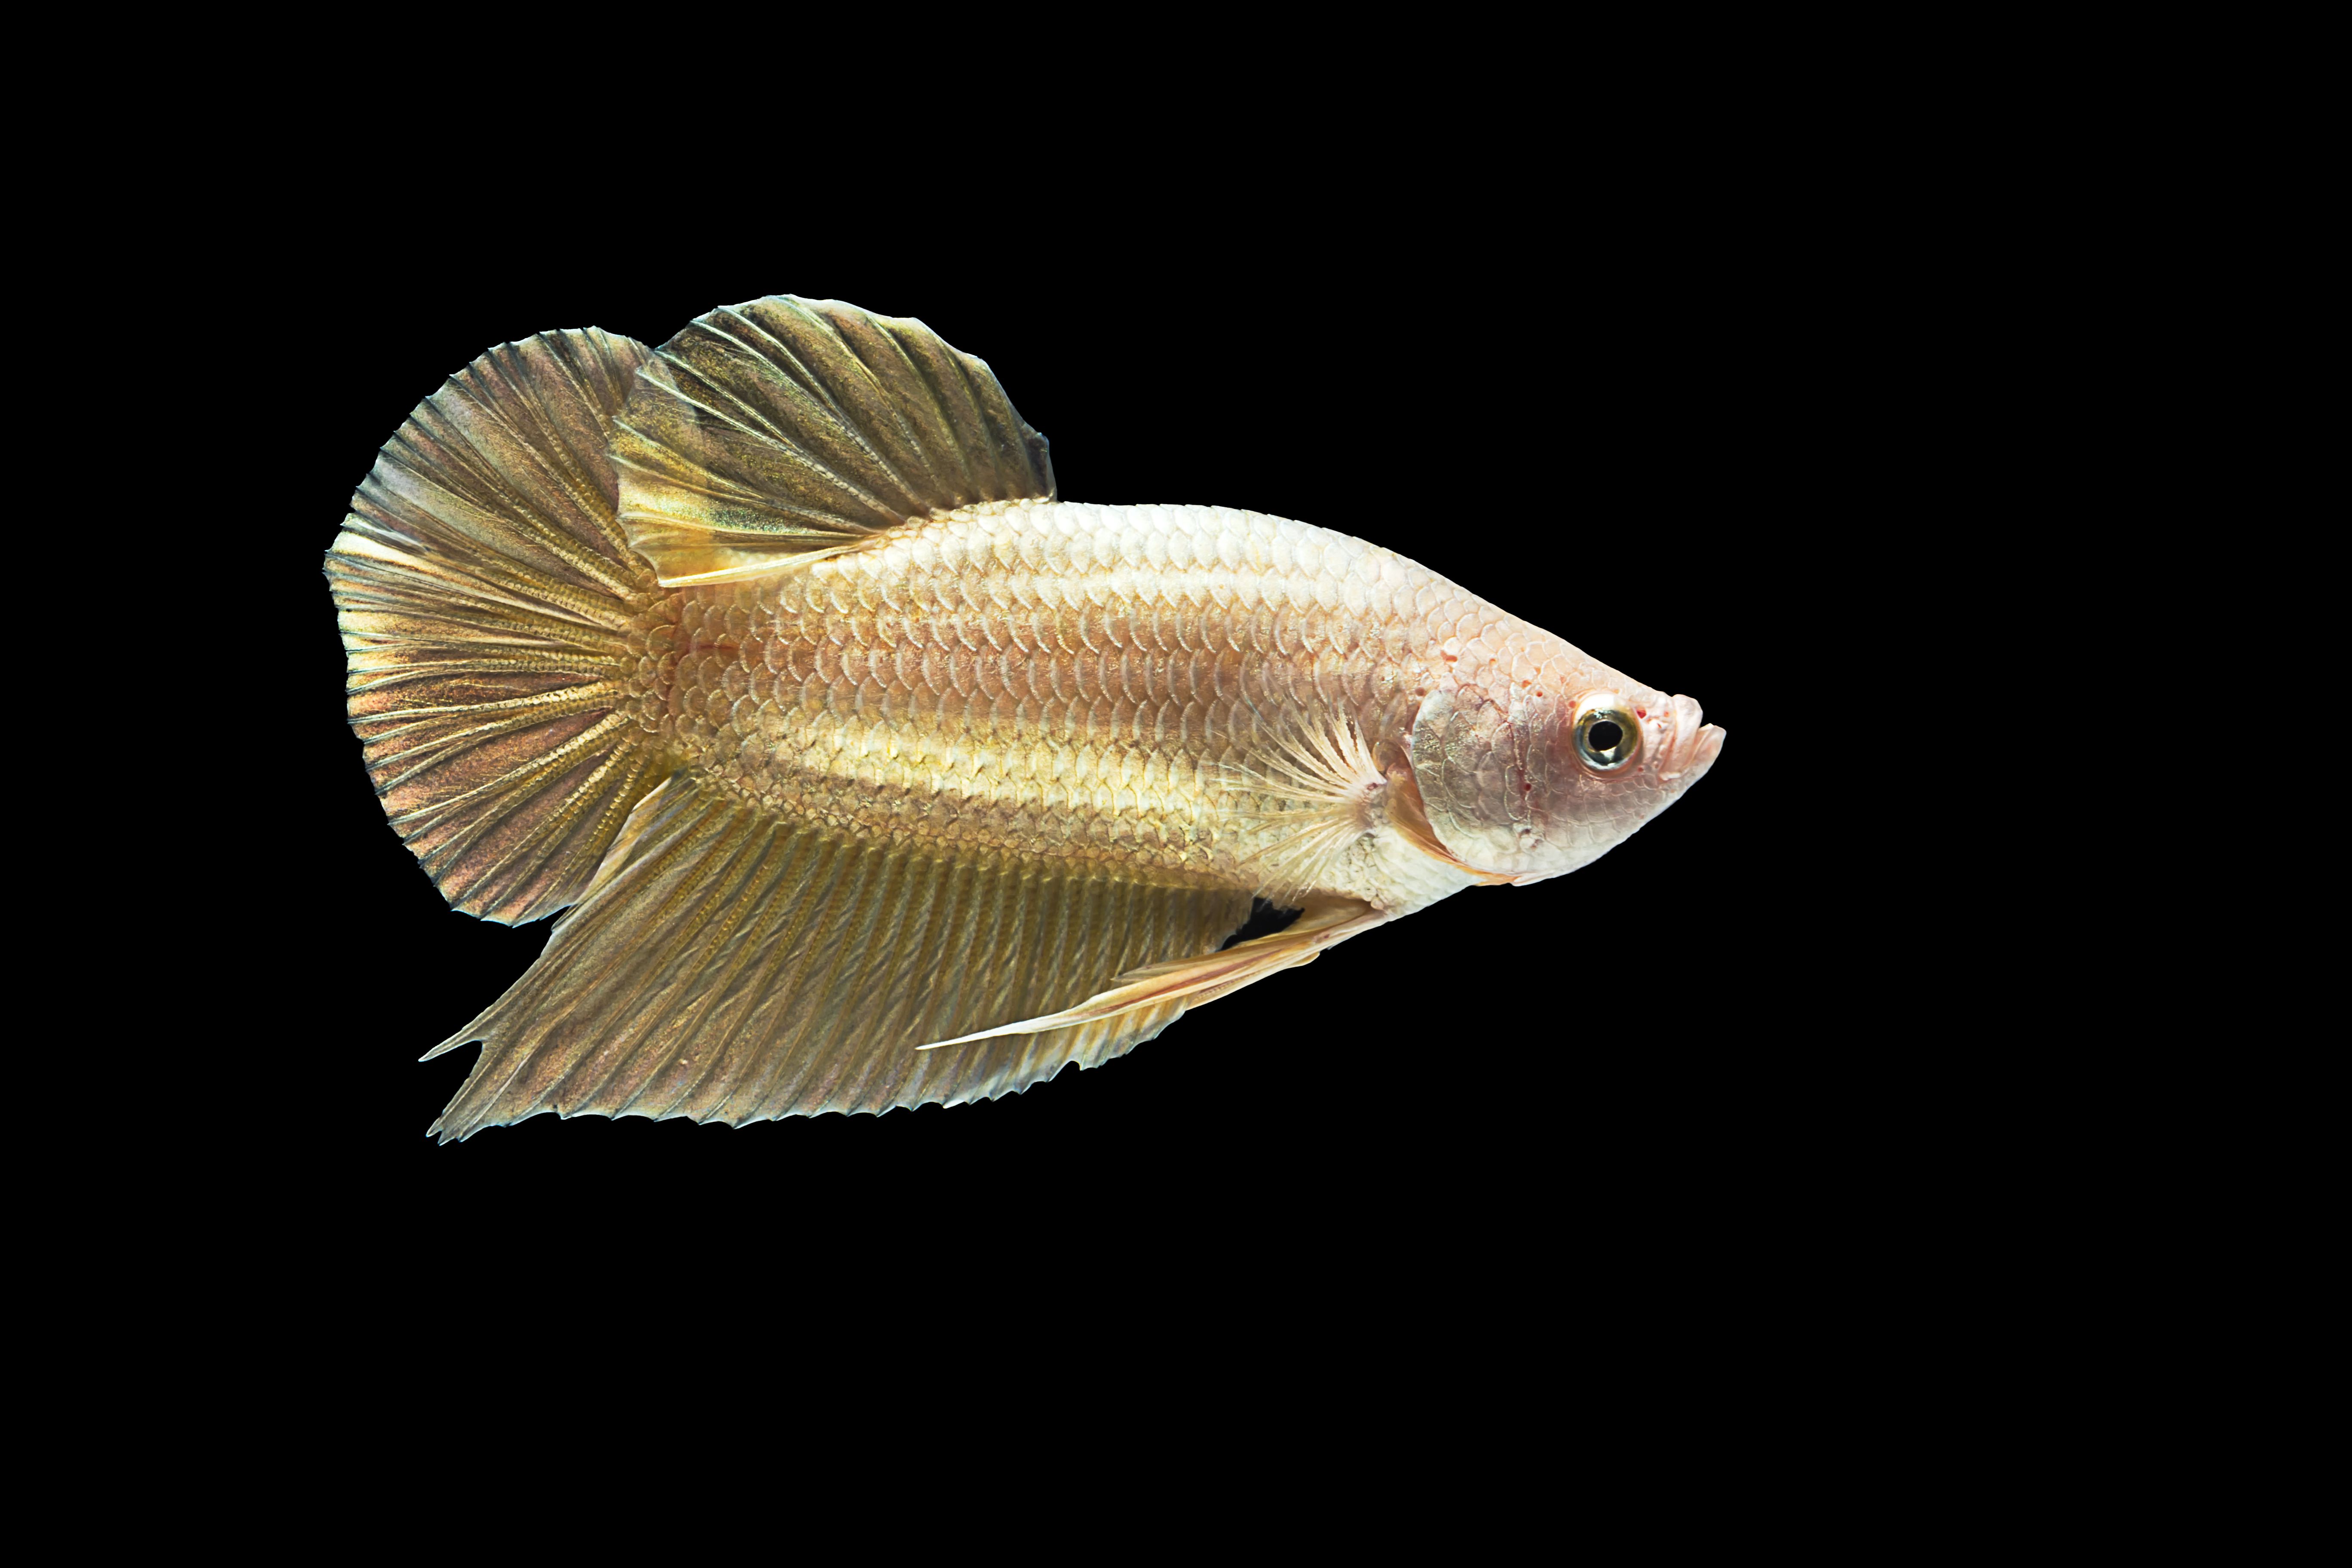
(873, 775)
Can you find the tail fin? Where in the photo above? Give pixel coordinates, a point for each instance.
(495, 618)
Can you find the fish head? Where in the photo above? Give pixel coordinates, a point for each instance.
(1535, 783)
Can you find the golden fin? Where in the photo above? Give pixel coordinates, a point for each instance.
(1201, 978)
(787, 428)
(488, 600)
(741, 966)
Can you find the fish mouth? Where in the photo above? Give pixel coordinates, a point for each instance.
(1694, 746)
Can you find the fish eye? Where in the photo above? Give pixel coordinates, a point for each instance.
(1607, 738)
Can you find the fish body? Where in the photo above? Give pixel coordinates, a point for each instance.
(1097, 683)
(873, 772)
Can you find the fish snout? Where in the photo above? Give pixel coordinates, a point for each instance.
(1691, 747)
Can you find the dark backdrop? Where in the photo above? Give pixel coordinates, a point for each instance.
(1614, 410)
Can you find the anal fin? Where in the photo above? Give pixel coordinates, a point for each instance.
(732, 964)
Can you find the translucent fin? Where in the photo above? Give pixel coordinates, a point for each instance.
(1313, 791)
(493, 613)
(1319, 789)
(784, 428)
(740, 967)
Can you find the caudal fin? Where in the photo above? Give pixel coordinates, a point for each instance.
(494, 618)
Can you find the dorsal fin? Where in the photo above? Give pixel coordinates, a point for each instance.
(787, 428)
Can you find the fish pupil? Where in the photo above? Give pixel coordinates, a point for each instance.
(1606, 736)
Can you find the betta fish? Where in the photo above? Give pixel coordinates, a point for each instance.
(869, 772)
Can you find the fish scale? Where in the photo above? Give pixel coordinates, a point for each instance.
(867, 772)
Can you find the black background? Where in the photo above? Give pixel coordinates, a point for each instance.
(1624, 411)
(1761, 373)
